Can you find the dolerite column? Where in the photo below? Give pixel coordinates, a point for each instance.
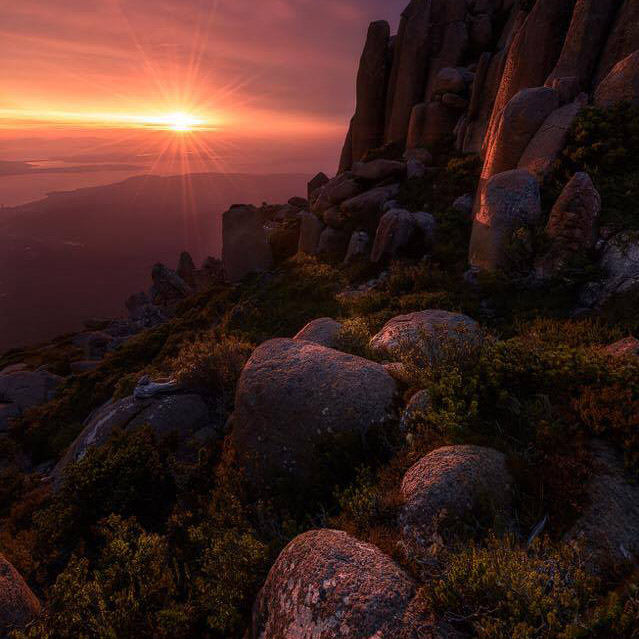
(410, 67)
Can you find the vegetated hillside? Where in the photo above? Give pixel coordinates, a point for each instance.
(79, 254)
(362, 436)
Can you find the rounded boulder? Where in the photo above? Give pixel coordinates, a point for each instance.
(18, 605)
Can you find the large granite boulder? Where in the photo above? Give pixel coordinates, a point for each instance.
(333, 243)
(357, 246)
(327, 584)
(367, 125)
(370, 203)
(507, 202)
(311, 228)
(450, 485)
(425, 331)
(572, 226)
(589, 28)
(322, 331)
(183, 414)
(550, 140)
(399, 230)
(622, 40)
(245, 248)
(27, 389)
(609, 526)
(18, 605)
(378, 170)
(621, 84)
(516, 126)
(294, 396)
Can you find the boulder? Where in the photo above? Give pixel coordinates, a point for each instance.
(186, 268)
(357, 247)
(369, 203)
(344, 191)
(408, 74)
(589, 28)
(424, 331)
(26, 389)
(622, 40)
(464, 205)
(168, 287)
(327, 584)
(448, 486)
(95, 344)
(507, 202)
(609, 526)
(627, 347)
(431, 125)
(293, 396)
(419, 154)
(415, 170)
(400, 230)
(322, 199)
(546, 145)
(535, 49)
(245, 248)
(333, 243)
(311, 228)
(322, 331)
(283, 240)
(620, 262)
(516, 127)
(367, 125)
(621, 84)
(378, 170)
(143, 313)
(449, 80)
(418, 407)
(18, 605)
(316, 183)
(335, 218)
(298, 202)
(572, 226)
(181, 413)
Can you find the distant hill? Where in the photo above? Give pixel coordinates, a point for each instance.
(79, 254)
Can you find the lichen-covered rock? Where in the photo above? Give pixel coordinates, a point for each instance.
(447, 486)
(621, 84)
(293, 396)
(627, 347)
(322, 331)
(245, 248)
(399, 230)
(508, 201)
(515, 128)
(26, 389)
(609, 526)
(18, 605)
(425, 331)
(327, 584)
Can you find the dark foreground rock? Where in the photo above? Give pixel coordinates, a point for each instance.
(295, 396)
(18, 605)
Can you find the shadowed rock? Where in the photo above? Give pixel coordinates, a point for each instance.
(18, 605)
(447, 486)
(357, 246)
(333, 243)
(378, 170)
(186, 268)
(621, 84)
(293, 396)
(316, 183)
(369, 203)
(507, 202)
(26, 389)
(311, 228)
(327, 584)
(322, 331)
(400, 230)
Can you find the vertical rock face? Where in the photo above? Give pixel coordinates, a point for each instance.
(623, 39)
(18, 605)
(245, 248)
(589, 28)
(509, 201)
(534, 52)
(367, 126)
(408, 75)
(621, 84)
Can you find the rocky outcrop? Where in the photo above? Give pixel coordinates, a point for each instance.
(316, 183)
(94, 344)
(18, 605)
(572, 226)
(367, 125)
(245, 248)
(550, 140)
(400, 230)
(378, 170)
(515, 128)
(26, 389)
(609, 526)
(322, 331)
(186, 268)
(424, 332)
(508, 201)
(449, 485)
(586, 37)
(621, 84)
(311, 228)
(294, 396)
(327, 584)
(183, 414)
(168, 287)
(370, 203)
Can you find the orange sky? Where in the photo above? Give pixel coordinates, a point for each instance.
(246, 75)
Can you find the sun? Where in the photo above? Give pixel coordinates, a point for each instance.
(181, 122)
